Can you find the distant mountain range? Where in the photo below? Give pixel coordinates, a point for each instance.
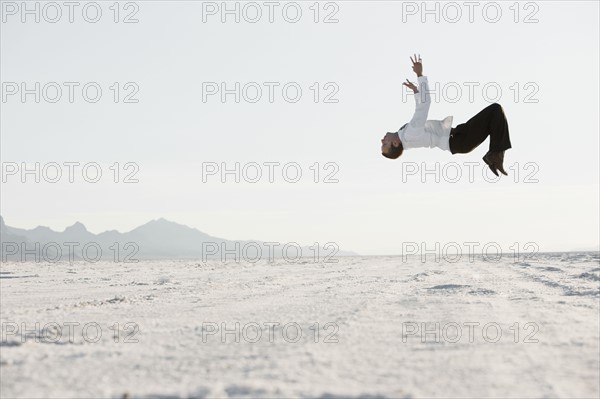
(157, 239)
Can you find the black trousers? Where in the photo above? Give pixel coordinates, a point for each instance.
(491, 121)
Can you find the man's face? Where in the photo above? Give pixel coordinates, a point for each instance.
(389, 140)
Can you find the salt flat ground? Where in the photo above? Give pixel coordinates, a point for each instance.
(537, 333)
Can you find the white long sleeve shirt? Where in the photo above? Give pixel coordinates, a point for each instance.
(420, 132)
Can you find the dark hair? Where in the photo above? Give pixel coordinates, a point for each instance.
(394, 152)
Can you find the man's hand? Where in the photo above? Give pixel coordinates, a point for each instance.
(411, 86)
(417, 66)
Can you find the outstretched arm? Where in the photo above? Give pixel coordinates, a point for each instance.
(422, 98)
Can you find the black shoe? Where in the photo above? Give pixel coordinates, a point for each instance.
(495, 160)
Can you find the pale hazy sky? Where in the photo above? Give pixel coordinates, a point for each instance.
(547, 72)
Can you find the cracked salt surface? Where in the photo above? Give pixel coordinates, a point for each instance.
(377, 327)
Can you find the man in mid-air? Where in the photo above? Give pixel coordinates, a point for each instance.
(464, 138)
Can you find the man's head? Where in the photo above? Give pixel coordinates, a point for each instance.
(391, 146)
